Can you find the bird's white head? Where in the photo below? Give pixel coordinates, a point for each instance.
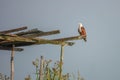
(80, 24)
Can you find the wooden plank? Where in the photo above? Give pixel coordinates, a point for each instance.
(9, 48)
(13, 30)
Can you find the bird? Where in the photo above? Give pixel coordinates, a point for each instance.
(82, 31)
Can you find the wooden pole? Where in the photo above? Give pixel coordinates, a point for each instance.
(41, 68)
(32, 34)
(61, 61)
(12, 63)
(13, 30)
(69, 38)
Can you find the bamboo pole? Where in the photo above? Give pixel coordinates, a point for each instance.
(41, 68)
(61, 61)
(12, 63)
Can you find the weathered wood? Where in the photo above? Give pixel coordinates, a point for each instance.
(12, 35)
(9, 48)
(45, 41)
(42, 34)
(18, 41)
(14, 38)
(47, 33)
(69, 38)
(32, 31)
(13, 30)
(12, 64)
(61, 61)
(41, 68)
(9, 39)
(28, 38)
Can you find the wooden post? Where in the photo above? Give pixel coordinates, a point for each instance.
(41, 68)
(12, 63)
(61, 61)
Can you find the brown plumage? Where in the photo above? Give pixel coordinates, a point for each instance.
(82, 31)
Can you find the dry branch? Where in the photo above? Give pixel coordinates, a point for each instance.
(13, 30)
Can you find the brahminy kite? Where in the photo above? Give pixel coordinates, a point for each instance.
(82, 31)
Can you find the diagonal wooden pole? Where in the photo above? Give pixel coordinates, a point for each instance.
(12, 63)
(13, 30)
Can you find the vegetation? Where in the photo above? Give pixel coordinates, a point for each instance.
(46, 72)
(4, 77)
(51, 73)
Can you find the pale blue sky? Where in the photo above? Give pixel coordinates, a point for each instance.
(97, 59)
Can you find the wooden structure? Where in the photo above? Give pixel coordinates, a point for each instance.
(14, 38)
(41, 68)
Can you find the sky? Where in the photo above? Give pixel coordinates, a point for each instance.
(96, 59)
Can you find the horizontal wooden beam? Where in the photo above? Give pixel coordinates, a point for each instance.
(45, 41)
(69, 38)
(13, 30)
(9, 48)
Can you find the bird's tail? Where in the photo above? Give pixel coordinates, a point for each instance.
(85, 39)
